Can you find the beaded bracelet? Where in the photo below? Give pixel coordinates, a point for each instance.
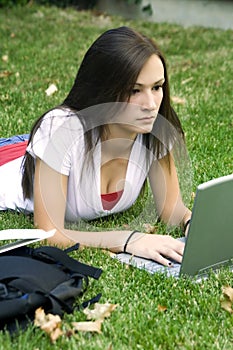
(128, 239)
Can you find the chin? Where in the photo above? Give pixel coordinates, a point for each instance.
(145, 129)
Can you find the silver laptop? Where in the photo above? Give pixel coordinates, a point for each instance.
(15, 238)
(209, 244)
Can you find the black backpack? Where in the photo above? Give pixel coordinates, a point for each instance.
(41, 277)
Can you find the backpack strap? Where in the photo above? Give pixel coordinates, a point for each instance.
(72, 248)
(54, 254)
(89, 302)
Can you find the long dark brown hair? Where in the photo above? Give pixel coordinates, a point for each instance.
(108, 74)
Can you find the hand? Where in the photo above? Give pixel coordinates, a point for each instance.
(156, 247)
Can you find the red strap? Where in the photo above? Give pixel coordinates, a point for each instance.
(11, 152)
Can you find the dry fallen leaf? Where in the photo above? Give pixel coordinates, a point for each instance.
(108, 252)
(88, 326)
(150, 228)
(161, 308)
(49, 323)
(51, 90)
(126, 226)
(54, 335)
(227, 301)
(185, 81)
(5, 74)
(178, 100)
(227, 306)
(5, 58)
(228, 292)
(100, 311)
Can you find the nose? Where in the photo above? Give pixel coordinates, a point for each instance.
(148, 101)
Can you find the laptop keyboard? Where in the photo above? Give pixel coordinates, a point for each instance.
(153, 267)
(149, 265)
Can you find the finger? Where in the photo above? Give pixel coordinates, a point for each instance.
(174, 244)
(162, 260)
(174, 253)
(175, 256)
(179, 248)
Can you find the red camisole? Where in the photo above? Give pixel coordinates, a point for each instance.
(109, 200)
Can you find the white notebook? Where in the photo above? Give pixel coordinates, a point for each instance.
(20, 237)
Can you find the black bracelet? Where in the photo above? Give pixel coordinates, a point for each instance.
(128, 239)
(186, 224)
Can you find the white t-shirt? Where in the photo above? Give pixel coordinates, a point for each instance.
(59, 142)
(11, 194)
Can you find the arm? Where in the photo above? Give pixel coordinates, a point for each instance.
(50, 190)
(166, 192)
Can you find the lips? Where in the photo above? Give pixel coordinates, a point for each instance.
(146, 118)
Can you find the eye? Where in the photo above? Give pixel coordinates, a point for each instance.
(135, 91)
(157, 87)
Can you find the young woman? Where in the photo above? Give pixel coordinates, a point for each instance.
(92, 155)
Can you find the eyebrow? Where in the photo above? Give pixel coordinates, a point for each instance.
(161, 81)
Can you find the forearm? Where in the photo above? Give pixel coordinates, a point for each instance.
(175, 214)
(166, 192)
(112, 240)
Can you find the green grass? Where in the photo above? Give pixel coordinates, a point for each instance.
(46, 45)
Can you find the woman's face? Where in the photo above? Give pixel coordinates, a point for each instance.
(145, 100)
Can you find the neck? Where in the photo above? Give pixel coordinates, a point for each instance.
(116, 145)
(116, 148)
(119, 131)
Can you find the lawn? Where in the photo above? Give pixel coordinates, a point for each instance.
(40, 46)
